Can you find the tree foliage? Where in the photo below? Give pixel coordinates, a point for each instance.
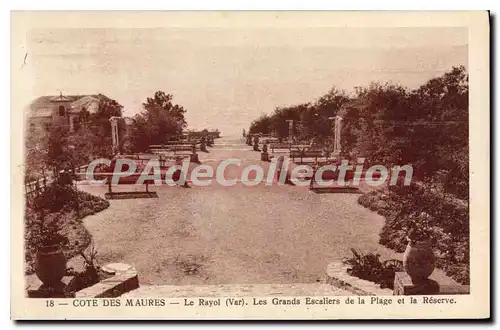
(388, 124)
(59, 149)
(310, 121)
(161, 120)
(426, 127)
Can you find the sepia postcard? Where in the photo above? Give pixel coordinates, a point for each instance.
(250, 165)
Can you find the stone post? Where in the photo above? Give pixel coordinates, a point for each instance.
(194, 156)
(203, 144)
(264, 156)
(290, 131)
(337, 127)
(114, 134)
(256, 143)
(337, 135)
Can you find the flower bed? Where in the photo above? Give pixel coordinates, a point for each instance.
(446, 219)
(64, 207)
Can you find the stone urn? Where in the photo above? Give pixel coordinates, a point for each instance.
(50, 264)
(419, 260)
(256, 143)
(203, 146)
(264, 156)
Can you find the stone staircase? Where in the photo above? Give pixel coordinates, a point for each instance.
(237, 290)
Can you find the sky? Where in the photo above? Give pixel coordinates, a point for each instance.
(225, 77)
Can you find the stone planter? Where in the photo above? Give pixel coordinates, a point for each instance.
(264, 156)
(50, 265)
(419, 261)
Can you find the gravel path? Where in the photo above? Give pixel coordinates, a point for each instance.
(236, 235)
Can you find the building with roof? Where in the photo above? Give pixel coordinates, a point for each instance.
(49, 110)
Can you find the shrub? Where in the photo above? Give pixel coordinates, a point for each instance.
(369, 267)
(441, 216)
(56, 216)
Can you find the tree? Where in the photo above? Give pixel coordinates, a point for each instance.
(426, 127)
(381, 109)
(58, 148)
(280, 117)
(441, 142)
(59, 155)
(327, 106)
(165, 119)
(351, 130)
(36, 154)
(263, 125)
(160, 121)
(310, 121)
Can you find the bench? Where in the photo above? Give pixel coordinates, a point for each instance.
(180, 142)
(330, 175)
(280, 146)
(192, 141)
(130, 179)
(183, 149)
(179, 150)
(305, 154)
(269, 141)
(175, 151)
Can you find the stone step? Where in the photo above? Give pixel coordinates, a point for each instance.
(234, 290)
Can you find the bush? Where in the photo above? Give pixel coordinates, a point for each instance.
(446, 220)
(57, 213)
(369, 267)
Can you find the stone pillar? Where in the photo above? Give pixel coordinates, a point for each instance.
(337, 127)
(290, 131)
(114, 134)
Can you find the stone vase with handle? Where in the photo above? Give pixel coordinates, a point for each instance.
(419, 260)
